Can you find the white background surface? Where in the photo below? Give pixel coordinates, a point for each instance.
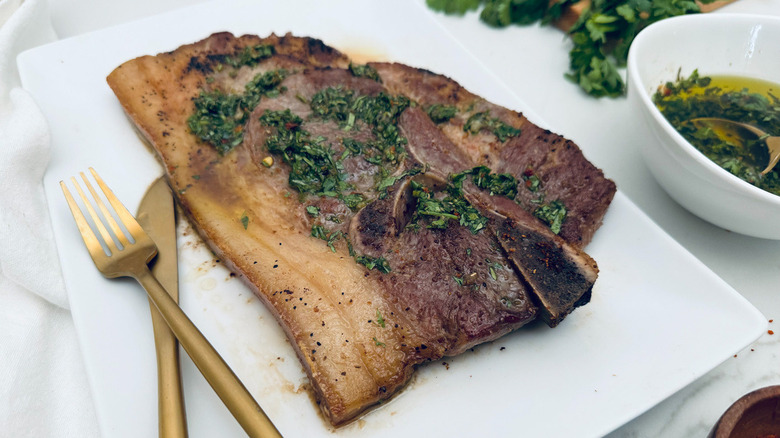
(523, 58)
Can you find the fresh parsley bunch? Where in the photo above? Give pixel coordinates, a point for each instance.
(601, 36)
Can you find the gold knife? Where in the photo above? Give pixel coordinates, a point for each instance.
(156, 214)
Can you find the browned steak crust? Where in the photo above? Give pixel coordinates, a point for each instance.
(359, 332)
(563, 170)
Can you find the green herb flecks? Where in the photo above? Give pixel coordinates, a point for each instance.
(601, 36)
(380, 112)
(378, 263)
(739, 99)
(314, 169)
(313, 210)
(553, 214)
(330, 237)
(244, 220)
(263, 85)
(502, 184)
(440, 113)
(378, 343)
(674, 90)
(492, 268)
(440, 210)
(380, 320)
(250, 55)
(531, 181)
(483, 120)
(219, 118)
(364, 71)
(385, 182)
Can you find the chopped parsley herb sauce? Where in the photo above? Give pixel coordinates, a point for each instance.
(502, 184)
(532, 182)
(739, 99)
(388, 181)
(482, 120)
(553, 214)
(317, 169)
(440, 113)
(364, 71)
(441, 210)
(219, 118)
(250, 55)
(378, 263)
(314, 168)
(330, 238)
(450, 205)
(379, 112)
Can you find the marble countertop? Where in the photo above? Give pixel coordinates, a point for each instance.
(521, 57)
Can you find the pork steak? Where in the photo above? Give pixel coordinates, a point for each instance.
(386, 216)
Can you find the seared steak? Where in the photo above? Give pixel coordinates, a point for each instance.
(552, 167)
(355, 207)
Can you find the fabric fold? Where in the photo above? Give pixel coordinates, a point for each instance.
(43, 382)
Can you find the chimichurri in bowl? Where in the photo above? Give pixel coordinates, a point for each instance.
(739, 99)
(719, 46)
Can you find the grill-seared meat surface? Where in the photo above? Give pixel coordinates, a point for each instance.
(385, 215)
(563, 170)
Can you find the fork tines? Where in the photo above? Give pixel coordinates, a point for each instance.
(123, 239)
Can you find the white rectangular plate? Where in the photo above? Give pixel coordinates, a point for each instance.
(658, 319)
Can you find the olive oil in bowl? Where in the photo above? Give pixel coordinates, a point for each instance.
(740, 99)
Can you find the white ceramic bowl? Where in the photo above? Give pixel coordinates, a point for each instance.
(715, 44)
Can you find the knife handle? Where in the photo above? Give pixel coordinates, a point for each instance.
(170, 402)
(234, 395)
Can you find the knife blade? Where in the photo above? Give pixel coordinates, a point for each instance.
(157, 217)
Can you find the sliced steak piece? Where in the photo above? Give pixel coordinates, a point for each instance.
(560, 275)
(430, 146)
(456, 285)
(555, 166)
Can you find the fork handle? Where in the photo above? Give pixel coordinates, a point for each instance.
(234, 395)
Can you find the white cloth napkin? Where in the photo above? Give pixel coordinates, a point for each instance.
(43, 383)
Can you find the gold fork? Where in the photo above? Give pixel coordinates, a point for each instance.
(129, 259)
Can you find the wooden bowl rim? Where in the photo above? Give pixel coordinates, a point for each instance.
(734, 413)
